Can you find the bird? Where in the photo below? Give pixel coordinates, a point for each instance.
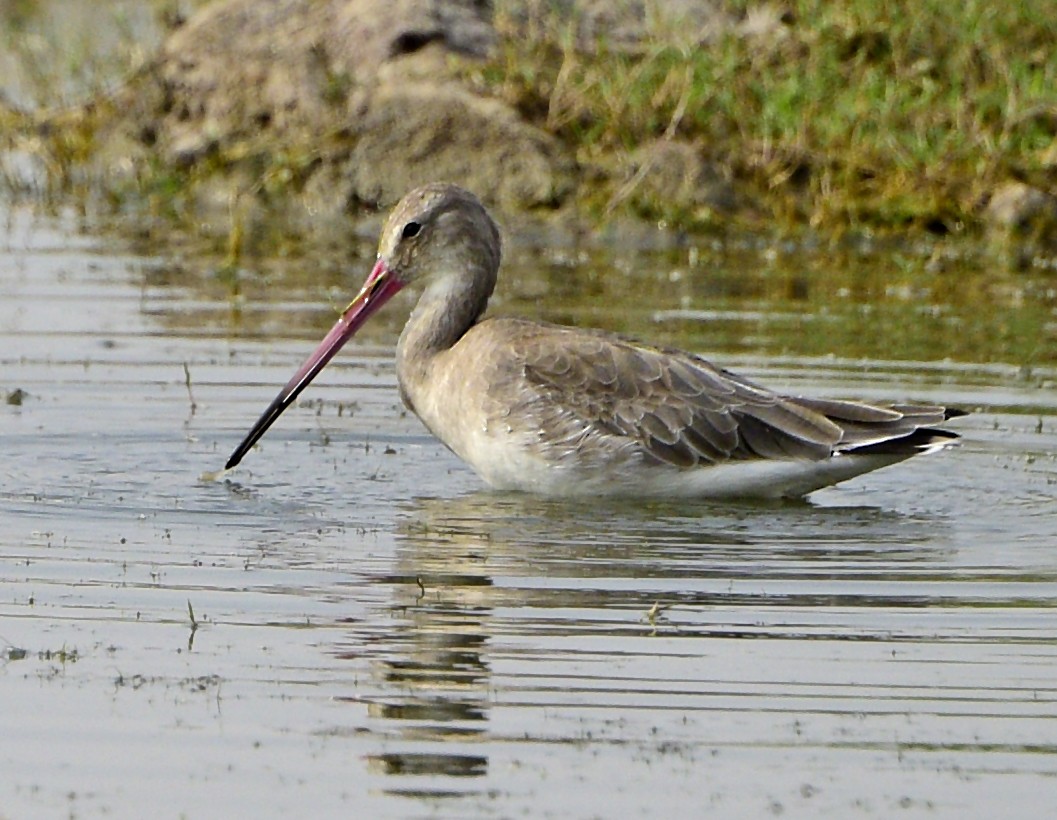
(570, 412)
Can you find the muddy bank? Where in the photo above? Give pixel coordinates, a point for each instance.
(300, 113)
(261, 123)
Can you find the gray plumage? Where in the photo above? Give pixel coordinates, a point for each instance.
(564, 411)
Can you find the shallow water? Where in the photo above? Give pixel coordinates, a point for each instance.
(349, 624)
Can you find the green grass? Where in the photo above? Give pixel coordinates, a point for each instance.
(854, 113)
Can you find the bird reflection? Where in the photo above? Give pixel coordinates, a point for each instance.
(474, 572)
(431, 674)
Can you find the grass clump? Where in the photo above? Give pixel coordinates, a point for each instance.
(857, 113)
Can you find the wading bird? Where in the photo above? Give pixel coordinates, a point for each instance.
(563, 411)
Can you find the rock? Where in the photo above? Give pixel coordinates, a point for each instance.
(1021, 208)
(626, 25)
(366, 33)
(417, 133)
(1022, 223)
(327, 104)
(288, 67)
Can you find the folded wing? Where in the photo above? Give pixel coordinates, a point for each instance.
(679, 409)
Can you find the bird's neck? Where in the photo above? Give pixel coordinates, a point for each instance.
(448, 307)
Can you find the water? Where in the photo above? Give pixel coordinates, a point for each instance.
(351, 624)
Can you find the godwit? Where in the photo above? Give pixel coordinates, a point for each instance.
(562, 411)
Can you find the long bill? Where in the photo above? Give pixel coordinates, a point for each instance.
(376, 291)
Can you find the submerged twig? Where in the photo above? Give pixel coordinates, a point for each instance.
(194, 626)
(190, 395)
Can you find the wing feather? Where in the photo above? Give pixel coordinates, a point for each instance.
(581, 388)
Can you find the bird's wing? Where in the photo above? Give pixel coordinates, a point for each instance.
(677, 408)
(680, 409)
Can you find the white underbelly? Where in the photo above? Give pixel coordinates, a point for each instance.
(506, 461)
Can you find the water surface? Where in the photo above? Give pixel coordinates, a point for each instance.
(349, 624)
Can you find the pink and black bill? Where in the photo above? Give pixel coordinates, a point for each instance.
(376, 291)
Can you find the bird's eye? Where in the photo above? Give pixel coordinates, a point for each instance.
(410, 229)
